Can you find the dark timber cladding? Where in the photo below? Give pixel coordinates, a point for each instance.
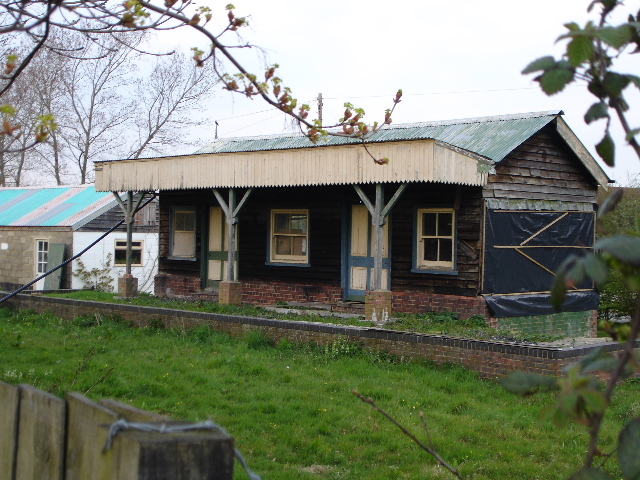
(328, 208)
(543, 168)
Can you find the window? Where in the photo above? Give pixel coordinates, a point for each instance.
(436, 239)
(42, 255)
(120, 256)
(183, 233)
(289, 236)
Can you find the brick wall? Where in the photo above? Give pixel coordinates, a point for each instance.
(418, 302)
(489, 358)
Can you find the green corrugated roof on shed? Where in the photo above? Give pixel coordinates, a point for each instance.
(52, 206)
(491, 137)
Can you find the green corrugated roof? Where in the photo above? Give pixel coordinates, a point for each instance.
(491, 137)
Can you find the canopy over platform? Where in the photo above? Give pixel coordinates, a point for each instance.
(457, 152)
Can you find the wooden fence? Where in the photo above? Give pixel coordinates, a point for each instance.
(43, 437)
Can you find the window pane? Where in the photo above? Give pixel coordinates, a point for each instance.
(299, 224)
(299, 246)
(184, 244)
(184, 221)
(446, 251)
(120, 257)
(430, 249)
(283, 245)
(445, 224)
(429, 224)
(281, 223)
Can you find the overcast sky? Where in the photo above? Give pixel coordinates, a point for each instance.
(457, 59)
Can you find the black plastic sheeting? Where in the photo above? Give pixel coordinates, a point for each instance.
(539, 304)
(529, 270)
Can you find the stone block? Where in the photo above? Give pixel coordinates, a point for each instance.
(230, 293)
(127, 286)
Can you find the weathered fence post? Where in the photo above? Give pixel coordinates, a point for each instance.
(41, 428)
(9, 402)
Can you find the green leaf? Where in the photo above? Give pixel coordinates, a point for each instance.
(522, 383)
(623, 247)
(614, 83)
(589, 473)
(579, 50)
(611, 202)
(595, 400)
(596, 111)
(558, 290)
(542, 63)
(596, 269)
(617, 37)
(607, 150)
(633, 133)
(598, 360)
(554, 81)
(628, 448)
(633, 79)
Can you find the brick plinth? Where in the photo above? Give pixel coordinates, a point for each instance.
(127, 286)
(181, 286)
(230, 293)
(378, 306)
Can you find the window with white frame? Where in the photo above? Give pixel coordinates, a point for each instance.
(289, 236)
(183, 233)
(436, 239)
(120, 252)
(42, 255)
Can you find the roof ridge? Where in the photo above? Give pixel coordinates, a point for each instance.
(486, 119)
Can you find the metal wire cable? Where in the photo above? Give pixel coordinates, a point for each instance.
(121, 425)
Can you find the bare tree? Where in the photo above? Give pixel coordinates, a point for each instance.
(95, 86)
(36, 22)
(166, 103)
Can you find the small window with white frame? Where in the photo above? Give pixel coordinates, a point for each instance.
(183, 233)
(120, 253)
(42, 255)
(435, 238)
(289, 236)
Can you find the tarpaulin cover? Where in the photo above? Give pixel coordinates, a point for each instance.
(539, 304)
(525, 248)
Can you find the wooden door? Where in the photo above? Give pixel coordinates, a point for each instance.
(218, 252)
(360, 251)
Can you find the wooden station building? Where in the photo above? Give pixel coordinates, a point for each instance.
(471, 216)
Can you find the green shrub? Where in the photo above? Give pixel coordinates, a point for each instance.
(616, 300)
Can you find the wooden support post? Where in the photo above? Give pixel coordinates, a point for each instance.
(128, 285)
(378, 221)
(379, 213)
(232, 293)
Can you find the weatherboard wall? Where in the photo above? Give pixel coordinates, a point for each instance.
(328, 208)
(542, 168)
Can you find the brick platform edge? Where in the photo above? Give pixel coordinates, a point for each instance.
(262, 293)
(489, 359)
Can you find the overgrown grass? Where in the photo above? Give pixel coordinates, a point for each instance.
(445, 323)
(290, 406)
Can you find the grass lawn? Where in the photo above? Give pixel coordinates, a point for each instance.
(290, 407)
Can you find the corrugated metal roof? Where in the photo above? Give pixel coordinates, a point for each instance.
(492, 137)
(52, 206)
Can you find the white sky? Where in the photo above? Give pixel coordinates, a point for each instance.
(456, 59)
